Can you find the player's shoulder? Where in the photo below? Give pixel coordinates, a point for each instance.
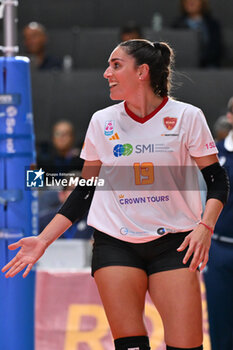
(184, 106)
(110, 112)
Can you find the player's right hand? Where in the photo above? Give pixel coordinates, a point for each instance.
(32, 248)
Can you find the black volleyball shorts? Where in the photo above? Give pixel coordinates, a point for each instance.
(154, 256)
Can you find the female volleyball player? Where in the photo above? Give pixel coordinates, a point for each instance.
(149, 231)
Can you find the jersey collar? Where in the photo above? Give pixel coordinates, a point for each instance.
(147, 117)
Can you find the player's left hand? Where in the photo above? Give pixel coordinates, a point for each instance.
(198, 243)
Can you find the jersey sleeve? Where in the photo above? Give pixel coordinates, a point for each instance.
(200, 141)
(89, 151)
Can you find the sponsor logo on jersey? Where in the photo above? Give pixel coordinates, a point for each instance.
(109, 127)
(169, 122)
(151, 148)
(123, 150)
(125, 231)
(126, 149)
(141, 200)
(114, 137)
(169, 134)
(161, 230)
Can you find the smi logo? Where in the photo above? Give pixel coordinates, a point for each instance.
(122, 150)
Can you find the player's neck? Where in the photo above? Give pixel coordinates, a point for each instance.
(144, 105)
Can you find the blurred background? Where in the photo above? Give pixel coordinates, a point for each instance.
(69, 43)
(79, 36)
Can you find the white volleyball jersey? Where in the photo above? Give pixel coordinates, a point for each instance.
(151, 180)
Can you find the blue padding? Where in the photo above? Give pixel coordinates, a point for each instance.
(11, 233)
(21, 136)
(10, 196)
(17, 155)
(18, 214)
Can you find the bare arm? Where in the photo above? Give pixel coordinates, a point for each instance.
(55, 228)
(59, 224)
(91, 168)
(199, 239)
(32, 248)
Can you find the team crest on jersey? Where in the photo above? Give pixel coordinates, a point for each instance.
(169, 122)
(109, 127)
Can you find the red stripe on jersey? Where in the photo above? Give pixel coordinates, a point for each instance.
(147, 117)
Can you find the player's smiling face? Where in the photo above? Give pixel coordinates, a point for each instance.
(122, 75)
